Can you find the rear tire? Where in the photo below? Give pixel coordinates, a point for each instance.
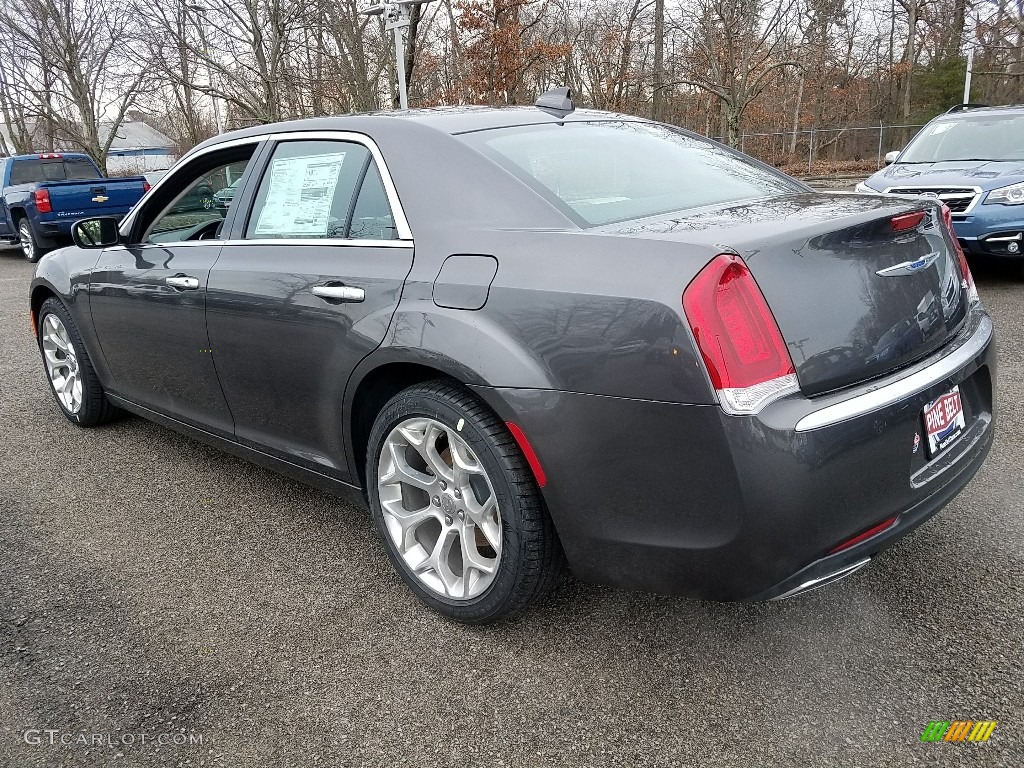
(73, 381)
(457, 507)
(30, 245)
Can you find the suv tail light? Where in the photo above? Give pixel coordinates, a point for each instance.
(146, 187)
(41, 197)
(736, 333)
(965, 270)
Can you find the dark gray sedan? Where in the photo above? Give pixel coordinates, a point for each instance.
(537, 336)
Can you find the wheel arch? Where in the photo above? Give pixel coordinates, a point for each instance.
(40, 292)
(370, 392)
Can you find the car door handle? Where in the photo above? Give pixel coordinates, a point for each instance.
(183, 281)
(339, 292)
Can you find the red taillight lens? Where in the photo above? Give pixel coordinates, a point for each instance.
(965, 270)
(735, 330)
(146, 187)
(42, 200)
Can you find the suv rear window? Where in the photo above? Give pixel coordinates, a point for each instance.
(31, 170)
(604, 172)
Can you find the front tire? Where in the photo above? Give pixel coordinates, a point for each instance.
(457, 506)
(69, 370)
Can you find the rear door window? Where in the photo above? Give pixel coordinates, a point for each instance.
(318, 190)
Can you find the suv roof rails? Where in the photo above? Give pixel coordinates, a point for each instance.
(964, 108)
(557, 101)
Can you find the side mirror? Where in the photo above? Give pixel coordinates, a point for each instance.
(890, 157)
(101, 232)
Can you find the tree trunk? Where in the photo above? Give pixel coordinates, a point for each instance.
(911, 56)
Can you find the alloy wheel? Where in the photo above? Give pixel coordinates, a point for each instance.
(439, 508)
(61, 363)
(28, 245)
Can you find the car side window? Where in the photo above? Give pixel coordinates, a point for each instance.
(200, 203)
(309, 189)
(184, 206)
(371, 217)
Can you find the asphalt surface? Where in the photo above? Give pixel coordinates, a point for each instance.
(151, 585)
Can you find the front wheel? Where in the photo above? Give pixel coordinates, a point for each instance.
(69, 370)
(457, 507)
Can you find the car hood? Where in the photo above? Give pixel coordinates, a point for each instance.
(985, 174)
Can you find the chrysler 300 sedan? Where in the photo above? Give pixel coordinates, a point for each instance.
(541, 337)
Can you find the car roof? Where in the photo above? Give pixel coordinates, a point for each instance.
(450, 120)
(1007, 109)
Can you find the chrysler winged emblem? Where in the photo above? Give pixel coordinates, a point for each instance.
(909, 267)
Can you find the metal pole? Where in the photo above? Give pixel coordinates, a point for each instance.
(967, 76)
(878, 160)
(810, 152)
(213, 98)
(403, 96)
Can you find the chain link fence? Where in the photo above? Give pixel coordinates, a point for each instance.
(857, 148)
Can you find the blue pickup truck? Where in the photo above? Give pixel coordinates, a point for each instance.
(41, 196)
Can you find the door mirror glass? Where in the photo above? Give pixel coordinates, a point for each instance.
(890, 157)
(101, 232)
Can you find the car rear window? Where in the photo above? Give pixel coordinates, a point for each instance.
(604, 172)
(32, 170)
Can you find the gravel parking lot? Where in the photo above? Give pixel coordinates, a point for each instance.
(150, 585)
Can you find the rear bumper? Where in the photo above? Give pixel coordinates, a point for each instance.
(684, 499)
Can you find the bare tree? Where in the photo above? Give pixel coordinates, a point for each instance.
(734, 49)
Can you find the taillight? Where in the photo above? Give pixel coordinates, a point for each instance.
(965, 270)
(146, 187)
(41, 198)
(743, 349)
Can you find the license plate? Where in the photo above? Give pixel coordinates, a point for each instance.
(944, 420)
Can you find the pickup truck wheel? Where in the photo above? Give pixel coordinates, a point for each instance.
(457, 506)
(73, 381)
(29, 244)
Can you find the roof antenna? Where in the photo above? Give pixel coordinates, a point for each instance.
(557, 101)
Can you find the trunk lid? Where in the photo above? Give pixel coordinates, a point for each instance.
(853, 297)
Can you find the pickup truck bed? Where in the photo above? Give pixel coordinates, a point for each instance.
(43, 195)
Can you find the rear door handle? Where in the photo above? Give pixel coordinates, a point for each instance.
(339, 292)
(183, 281)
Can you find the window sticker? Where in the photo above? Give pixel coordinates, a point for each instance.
(301, 195)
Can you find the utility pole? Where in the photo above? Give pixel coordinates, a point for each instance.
(397, 18)
(967, 76)
(659, 59)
